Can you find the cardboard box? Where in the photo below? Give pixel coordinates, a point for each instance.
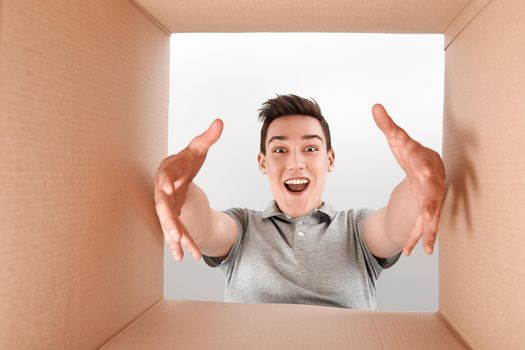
(83, 127)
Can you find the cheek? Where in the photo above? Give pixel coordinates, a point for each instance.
(275, 164)
(320, 164)
(320, 169)
(274, 172)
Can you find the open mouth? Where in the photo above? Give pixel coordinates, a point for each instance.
(297, 185)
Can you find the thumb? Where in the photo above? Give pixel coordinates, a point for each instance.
(204, 141)
(383, 120)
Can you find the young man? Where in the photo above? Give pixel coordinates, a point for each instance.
(299, 249)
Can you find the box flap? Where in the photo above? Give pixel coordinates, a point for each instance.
(215, 325)
(467, 14)
(83, 121)
(374, 16)
(481, 240)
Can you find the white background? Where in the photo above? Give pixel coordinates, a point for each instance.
(230, 75)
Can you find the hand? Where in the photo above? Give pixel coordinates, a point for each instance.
(426, 176)
(172, 180)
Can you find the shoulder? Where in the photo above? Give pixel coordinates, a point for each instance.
(352, 217)
(244, 216)
(242, 211)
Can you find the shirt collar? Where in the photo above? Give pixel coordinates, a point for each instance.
(325, 210)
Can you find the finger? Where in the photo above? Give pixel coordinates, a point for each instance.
(165, 183)
(176, 247)
(170, 188)
(429, 236)
(170, 242)
(431, 200)
(437, 214)
(382, 119)
(387, 125)
(174, 239)
(186, 239)
(428, 208)
(181, 182)
(163, 207)
(204, 141)
(161, 180)
(414, 236)
(189, 243)
(172, 227)
(399, 141)
(435, 227)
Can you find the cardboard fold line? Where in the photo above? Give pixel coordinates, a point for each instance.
(151, 17)
(132, 323)
(467, 14)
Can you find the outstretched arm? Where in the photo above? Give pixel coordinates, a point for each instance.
(183, 208)
(414, 208)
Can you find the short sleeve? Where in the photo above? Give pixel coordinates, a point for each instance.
(374, 264)
(240, 217)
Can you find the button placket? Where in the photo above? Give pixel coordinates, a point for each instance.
(301, 240)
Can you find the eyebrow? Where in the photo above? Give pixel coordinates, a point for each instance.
(304, 137)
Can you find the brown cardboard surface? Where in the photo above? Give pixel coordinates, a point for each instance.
(482, 280)
(467, 14)
(213, 325)
(83, 120)
(382, 16)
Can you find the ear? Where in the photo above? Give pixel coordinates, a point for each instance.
(331, 160)
(261, 159)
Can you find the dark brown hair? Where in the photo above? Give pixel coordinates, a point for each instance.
(284, 105)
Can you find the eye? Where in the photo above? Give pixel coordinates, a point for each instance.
(311, 149)
(279, 150)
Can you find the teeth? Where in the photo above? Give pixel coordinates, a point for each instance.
(296, 181)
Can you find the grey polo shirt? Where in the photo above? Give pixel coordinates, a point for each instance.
(318, 259)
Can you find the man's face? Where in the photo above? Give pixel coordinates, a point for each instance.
(297, 163)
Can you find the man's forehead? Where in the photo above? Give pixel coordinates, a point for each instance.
(295, 127)
(295, 124)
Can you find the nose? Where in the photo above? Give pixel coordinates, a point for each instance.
(296, 161)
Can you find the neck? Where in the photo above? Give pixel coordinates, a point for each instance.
(299, 214)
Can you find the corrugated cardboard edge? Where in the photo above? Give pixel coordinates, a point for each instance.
(453, 330)
(150, 17)
(132, 323)
(466, 15)
(210, 325)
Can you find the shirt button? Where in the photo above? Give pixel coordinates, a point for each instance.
(299, 223)
(300, 233)
(288, 216)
